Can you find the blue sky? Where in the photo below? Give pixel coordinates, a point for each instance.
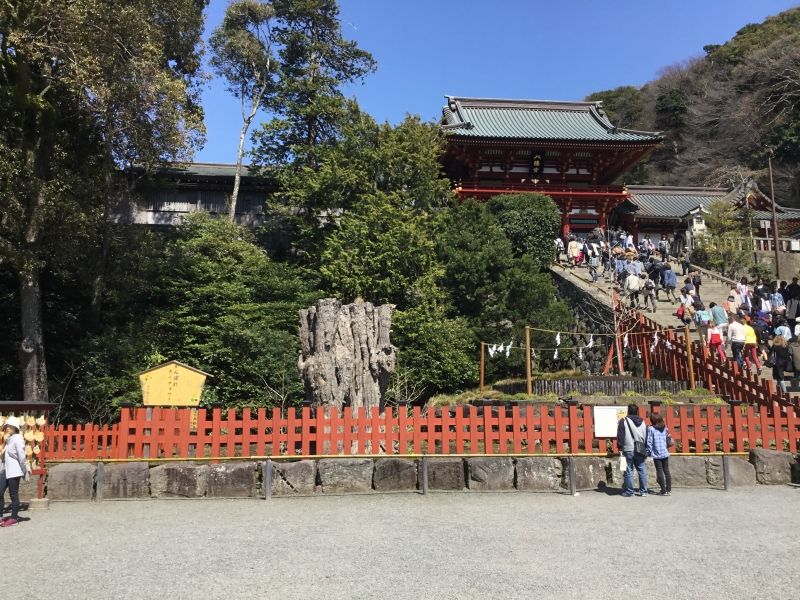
(554, 50)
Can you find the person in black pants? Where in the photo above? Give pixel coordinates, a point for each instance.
(658, 443)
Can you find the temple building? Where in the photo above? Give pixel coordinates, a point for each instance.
(567, 150)
(571, 152)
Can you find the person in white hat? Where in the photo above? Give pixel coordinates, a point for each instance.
(14, 461)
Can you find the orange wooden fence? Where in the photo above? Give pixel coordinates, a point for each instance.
(153, 433)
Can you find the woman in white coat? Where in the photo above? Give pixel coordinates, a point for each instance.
(14, 461)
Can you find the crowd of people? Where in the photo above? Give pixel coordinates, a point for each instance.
(758, 323)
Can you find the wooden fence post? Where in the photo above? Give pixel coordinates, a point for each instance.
(689, 362)
(528, 359)
(482, 367)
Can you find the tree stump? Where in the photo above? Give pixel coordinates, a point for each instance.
(346, 357)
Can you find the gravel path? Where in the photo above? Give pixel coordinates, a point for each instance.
(695, 544)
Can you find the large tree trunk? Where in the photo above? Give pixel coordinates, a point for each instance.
(34, 369)
(347, 357)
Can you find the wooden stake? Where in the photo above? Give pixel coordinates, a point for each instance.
(483, 366)
(528, 359)
(689, 362)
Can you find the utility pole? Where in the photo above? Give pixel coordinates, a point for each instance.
(770, 153)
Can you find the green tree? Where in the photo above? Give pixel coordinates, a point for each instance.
(475, 253)
(79, 81)
(315, 61)
(727, 247)
(438, 352)
(226, 308)
(622, 105)
(381, 251)
(530, 222)
(242, 54)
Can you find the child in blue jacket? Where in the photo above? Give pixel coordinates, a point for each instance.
(658, 441)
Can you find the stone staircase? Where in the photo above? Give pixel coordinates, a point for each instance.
(714, 288)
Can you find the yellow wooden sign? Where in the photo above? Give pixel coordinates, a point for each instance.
(172, 384)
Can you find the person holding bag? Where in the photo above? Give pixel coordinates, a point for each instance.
(14, 461)
(658, 443)
(632, 443)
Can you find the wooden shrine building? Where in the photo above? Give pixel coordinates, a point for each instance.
(567, 150)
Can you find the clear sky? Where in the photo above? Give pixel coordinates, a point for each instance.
(548, 50)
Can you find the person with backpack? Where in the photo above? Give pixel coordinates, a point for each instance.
(663, 248)
(632, 443)
(649, 292)
(633, 286)
(781, 360)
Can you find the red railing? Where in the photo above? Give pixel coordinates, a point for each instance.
(147, 433)
(670, 356)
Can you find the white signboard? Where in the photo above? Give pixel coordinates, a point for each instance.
(606, 419)
(765, 224)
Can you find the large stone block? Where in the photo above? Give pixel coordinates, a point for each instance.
(742, 473)
(232, 480)
(345, 475)
(395, 474)
(125, 480)
(294, 478)
(71, 481)
(539, 474)
(28, 490)
(688, 471)
(445, 474)
(490, 473)
(590, 473)
(178, 480)
(772, 466)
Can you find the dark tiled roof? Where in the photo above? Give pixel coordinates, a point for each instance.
(675, 202)
(670, 202)
(536, 120)
(209, 170)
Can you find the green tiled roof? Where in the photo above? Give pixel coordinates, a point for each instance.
(536, 120)
(670, 202)
(657, 202)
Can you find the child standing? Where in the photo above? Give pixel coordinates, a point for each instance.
(658, 442)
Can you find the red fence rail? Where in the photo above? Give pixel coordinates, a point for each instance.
(173, 433)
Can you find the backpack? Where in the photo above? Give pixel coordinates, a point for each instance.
(697, 280)
(649, 285)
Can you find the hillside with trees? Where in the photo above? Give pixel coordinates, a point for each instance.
(719, 111)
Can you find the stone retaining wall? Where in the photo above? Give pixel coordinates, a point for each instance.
(136, 480)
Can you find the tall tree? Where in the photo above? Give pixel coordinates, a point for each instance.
(242, 55)
(308, 107)
(79, 80)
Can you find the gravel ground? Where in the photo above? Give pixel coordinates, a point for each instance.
(695, 544)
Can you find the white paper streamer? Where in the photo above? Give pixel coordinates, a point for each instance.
(555, 355)
(558, 339)
(591, 342)
(625, 341)
(508, 347)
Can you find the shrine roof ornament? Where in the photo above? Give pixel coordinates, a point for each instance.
(536, 120)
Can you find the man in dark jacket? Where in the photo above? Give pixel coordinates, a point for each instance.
(632, 443)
